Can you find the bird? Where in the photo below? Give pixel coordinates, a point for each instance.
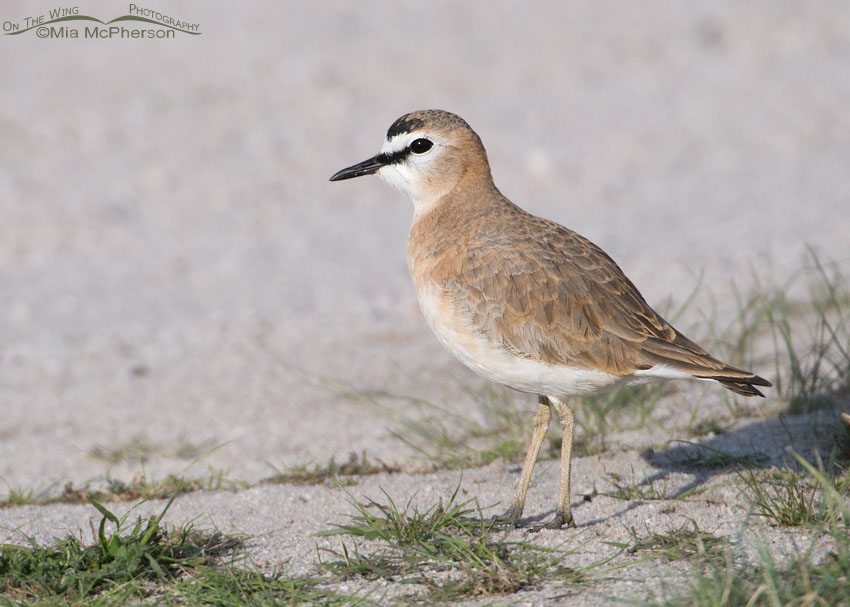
(522, 300)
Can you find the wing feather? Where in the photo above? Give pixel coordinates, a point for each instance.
(558, 298)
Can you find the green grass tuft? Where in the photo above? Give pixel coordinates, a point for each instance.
(142, 561)
(139, 551)
(332, 472)
(140, 449)
(116, 490)
(449, 552)
(806, 581)
(815, 337)
(20, 497)
(688, 542)
(791, 497)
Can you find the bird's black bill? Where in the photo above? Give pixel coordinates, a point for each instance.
(367, 167)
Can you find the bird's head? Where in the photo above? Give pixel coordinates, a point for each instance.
(426, 155)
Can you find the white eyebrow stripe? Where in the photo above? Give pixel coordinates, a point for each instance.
(397, 143)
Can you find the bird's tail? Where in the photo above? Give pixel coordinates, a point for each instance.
(685, 355)
(746, 386)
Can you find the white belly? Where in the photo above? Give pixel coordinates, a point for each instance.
(476, 351)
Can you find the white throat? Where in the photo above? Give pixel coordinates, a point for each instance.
(409, 177)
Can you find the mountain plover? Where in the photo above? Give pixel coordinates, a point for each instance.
(522, 300)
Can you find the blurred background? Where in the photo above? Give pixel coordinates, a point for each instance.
(176, 271)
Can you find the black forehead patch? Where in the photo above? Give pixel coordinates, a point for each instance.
(405, 124)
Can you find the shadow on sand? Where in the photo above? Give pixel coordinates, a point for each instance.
(755, 444)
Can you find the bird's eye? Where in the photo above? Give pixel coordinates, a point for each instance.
(420, 146)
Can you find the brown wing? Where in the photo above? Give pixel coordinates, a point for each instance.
(558, 298)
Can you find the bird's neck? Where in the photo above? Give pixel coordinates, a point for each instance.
(447, 223)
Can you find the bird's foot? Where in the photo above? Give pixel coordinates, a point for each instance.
(560, 520)
(509, 518)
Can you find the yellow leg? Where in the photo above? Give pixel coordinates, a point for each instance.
(541, 424)
(564, 515)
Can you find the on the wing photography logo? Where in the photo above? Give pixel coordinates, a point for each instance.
(139, 22)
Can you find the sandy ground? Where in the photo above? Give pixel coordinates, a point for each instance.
(175, 266)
